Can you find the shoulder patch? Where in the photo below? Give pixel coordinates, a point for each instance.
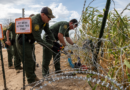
(36, 27)
(65, 26)
(4, 29)
(10, 24)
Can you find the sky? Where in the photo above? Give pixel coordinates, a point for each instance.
(63, 10)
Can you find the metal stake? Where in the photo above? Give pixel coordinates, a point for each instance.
(3, 67)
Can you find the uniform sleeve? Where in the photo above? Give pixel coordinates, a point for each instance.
(11, 27)
(37, 37)
(48, 32)
(63, 30)
(4, 34)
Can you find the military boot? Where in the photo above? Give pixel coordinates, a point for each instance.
(11, 67)
(35, 82)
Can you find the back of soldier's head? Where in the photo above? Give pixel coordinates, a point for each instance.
(74, 21)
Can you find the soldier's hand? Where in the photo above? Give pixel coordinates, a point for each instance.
(8, 43)
(66, 48)
(55, 49)
(57, 45)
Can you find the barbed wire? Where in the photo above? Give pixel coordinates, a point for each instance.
(82, 11)
(105, 40)
(98, 81)
(80, 52)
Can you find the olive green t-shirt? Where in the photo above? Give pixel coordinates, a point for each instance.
(60, 27)
(12, 30)
(4, 34)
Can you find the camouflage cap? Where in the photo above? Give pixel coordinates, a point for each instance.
(48, 12)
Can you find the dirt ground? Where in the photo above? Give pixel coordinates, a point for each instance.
(15, 81)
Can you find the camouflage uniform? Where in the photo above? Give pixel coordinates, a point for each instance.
(9, 50)
(59, 27)
(37, 26)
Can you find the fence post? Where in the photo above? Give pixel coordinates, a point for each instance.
(23, 55)
(2, 63)
(101, 31)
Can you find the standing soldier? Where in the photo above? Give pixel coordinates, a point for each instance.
(17, 61)
(39, 22)
(9, 51)
(59, 30)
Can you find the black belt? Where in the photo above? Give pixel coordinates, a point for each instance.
(20, 39)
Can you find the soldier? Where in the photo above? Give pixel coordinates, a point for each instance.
(36, 65)
(9, 51)
(39, 22)
(17, 61)
(59, 30)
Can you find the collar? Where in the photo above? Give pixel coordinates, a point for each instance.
(40, 19)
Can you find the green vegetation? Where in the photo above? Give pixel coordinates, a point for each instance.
(115, 46)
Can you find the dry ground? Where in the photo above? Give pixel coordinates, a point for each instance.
(15, 81)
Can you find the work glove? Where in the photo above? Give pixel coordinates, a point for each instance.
(66, 48)
(7, 46)
(57, 45)
(55, 49)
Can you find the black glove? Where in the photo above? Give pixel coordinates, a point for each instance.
(12, 41)
(7, 46)
(55, 49)
(56, 44)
